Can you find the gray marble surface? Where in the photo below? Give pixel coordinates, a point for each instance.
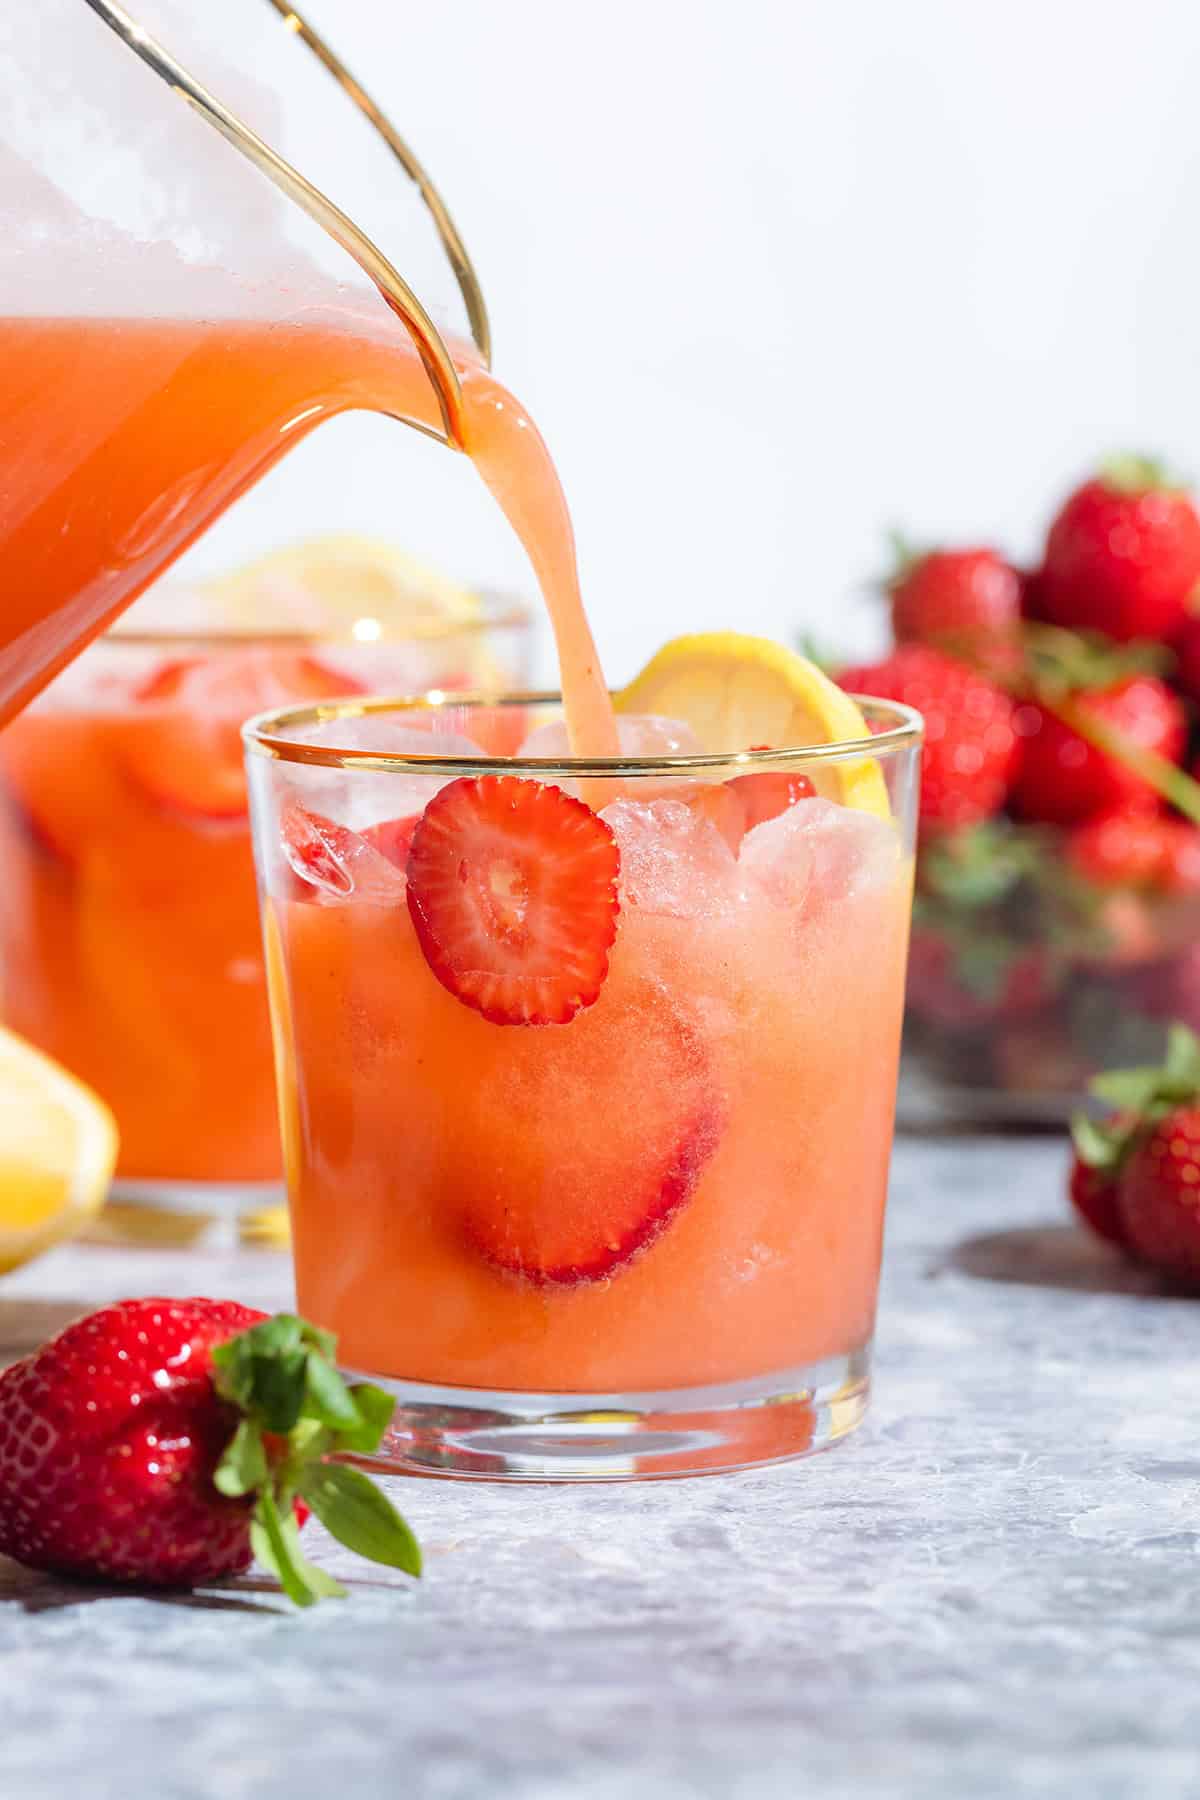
(993, 1590)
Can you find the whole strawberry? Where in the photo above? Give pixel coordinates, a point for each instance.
(1145, 1160)
(1187, 657)
(1159, 1195)
(1137, 850)
(966, 602)
(1123, 554)
(1094, 1195)
(1067, 774)
(971, 748)
(167, 1442)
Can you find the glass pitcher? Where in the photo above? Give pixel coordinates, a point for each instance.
(179, 304)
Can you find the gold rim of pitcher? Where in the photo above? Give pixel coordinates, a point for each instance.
(399, 296)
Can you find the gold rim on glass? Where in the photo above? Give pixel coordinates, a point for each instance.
(435, 356)
(263, 736)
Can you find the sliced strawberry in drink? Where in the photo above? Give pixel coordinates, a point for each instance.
(769, 792)
(736, 806)
(182, 742)
(512, 889)
(717, 802)
(167, 681)
(577, 1151)
(393, 838)
(38, 832)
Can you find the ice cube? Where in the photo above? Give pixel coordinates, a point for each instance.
(337, 864)
(639, 734)
(371, 795)
(674, 861)
(389, 736)
(819, 851)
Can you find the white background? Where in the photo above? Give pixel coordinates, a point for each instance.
(773, 275)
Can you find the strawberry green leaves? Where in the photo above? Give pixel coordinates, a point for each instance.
(297, 1413)
(1139, 1098)
(357, 1513)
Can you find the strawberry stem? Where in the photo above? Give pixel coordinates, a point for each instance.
(297, 1414)
(276, 1552)
(1128, 473)
(905, 556)
(1137, 1099)
(1169, 781)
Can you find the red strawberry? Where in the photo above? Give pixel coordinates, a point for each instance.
(1160, 1194)
(164, 1442)
(393, 838)
(1137, 850)
(1179, 871)
(715, 801)
(1127, 928)
(512, 890)
(968, 602)
(1094, 1195)
(1123, 555)
(549, 1211)
(1187, 657)
(976, 985)
(1150, 1147)
(1031, 595)
(182, 743)
(1064, 779)
(38, 832)
(769, 792)
(736, 806)
(971, 748)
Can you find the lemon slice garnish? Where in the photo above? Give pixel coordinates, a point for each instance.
(737, 691)
(331, 583)
(58, 1146)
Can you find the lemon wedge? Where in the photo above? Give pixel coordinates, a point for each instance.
(330, 583)
(737, 691)
(58, 1146)
(340, 586)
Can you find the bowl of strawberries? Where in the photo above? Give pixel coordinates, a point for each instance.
(1056, 921)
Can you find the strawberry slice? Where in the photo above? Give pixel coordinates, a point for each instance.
(576, 1151)
(183, 739)
(770, 792)
(717, 802)
(512, 889)
(393, 838)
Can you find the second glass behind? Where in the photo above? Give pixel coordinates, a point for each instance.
(587, 1075)
(130, 947)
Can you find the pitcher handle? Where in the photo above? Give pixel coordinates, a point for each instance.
(386, 277)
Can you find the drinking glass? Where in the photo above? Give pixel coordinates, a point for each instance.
(129, 935)
(641, 1242)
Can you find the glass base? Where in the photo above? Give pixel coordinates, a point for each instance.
(481, 1434)
(192, 1215)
